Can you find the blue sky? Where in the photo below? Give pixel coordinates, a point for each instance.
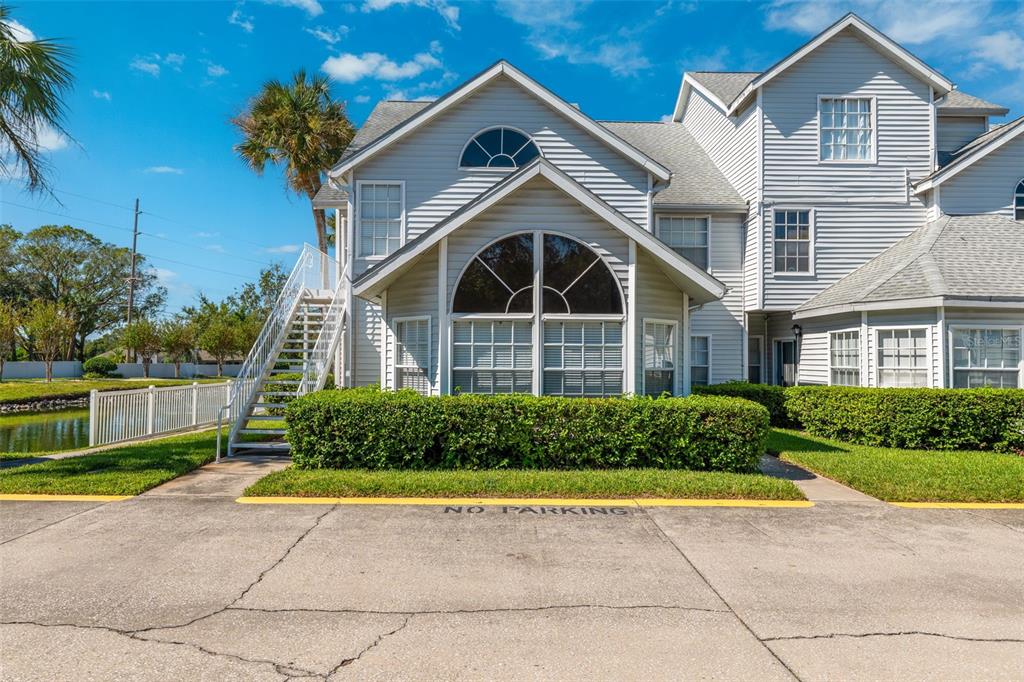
(157, 82)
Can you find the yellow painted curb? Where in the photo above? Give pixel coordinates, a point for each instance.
(523, 501)
(960, 505)
(12, 497)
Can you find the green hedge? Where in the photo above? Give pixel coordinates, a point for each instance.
(374, 429)
(100, 366)
(772, 397)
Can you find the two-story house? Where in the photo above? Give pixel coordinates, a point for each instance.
(846, 216)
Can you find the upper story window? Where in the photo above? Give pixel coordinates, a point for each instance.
(1018, 202)
(846, 128)
(499, 148)
(793, 253)
(689, 237)
(380, 218)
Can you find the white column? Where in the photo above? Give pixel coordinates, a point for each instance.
(538, 324)
(195, 403)
(685, 342)
(93, 399)
(443, 371)
(631, 321)
(940, 344)
(150, 410)
(865, 364)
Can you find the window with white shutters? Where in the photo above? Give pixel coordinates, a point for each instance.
(412, 354)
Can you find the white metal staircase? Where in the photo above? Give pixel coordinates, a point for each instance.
(299, 338)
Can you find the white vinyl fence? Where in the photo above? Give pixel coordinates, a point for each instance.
(116, 416)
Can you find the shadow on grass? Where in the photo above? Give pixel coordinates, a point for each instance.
(784, 441)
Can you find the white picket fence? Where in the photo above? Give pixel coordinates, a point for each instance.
(116, 416)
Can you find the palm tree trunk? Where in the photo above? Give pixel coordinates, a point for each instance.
(321, 229)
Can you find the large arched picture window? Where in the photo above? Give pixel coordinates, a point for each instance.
(495, 313)
(501, 148)
(1018, 201)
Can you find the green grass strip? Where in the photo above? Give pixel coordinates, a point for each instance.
(28, 390)
(907, 475)
(127, 470)
(612, 483)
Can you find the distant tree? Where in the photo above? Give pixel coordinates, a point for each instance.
(220, 338)
(299, 126)
(179, 340)
(143, 337)
(9, 321)
(34, 78)
(11, 287)
(48, 327)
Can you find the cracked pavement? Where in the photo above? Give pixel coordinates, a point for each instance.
(184, 583)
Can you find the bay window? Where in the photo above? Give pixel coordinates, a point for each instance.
(844, 358)
(903, 358)
(986, 357)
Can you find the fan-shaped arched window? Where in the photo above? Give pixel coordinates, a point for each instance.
(499, 148)
(1018, 201)
(580, 317)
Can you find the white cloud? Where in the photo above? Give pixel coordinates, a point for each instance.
(207, 235)
(165, 170)
(101, 94)
(284, 248)
(20, 31)
(666, 118)
(349, 68)
(243, 21)
(1005, 49)
(448, 12)
(174, 60)
(145, 66)
(50, 140)
(215, 70)
(216, 248)
(717, 60)
(328, 35)
(151, 64)
(361, 99)
(310, 7)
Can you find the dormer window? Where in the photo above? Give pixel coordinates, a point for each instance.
(846, 129)
(1018, 202)
(499, 148)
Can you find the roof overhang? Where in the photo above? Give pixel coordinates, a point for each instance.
(549, 98)
(691, 83)
(1011, 131)
(702, 208)
(912, 303)
(882, 42)
(963, 112)
(701, 286)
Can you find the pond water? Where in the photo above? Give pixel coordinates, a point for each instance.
(45, 431)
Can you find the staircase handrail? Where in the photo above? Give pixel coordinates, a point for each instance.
(314, 372)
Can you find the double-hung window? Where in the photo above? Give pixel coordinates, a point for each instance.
(846, 129)
(659, 357)
(792, 244)
(844, 358)
(412, 354)
(687, 236)
(700, 360)
(986, 357)
(1018, 201)
(755, 353)
(903, 358)
(380, 218)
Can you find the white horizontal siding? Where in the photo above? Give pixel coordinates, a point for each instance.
(414, 294)
(731, 143)
(988, 185)
(956, 131)
(367, 349)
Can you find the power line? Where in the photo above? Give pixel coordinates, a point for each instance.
(197, 267)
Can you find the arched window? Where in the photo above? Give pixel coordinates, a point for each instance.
(1018, 201)
(580, 317)
(500, 148)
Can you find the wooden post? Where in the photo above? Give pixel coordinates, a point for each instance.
(151, 410)
(92, 417)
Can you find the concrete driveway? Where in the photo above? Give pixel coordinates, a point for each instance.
(184, 583)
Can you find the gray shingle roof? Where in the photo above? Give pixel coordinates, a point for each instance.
(330, 197)
(725, 85)
(696, 181)
(961, 102)
(975, 257)
(386, 115)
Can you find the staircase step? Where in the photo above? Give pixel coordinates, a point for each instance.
(263, 418)
(267, 432)
(270, 406)
(275, 393)
(291, 382)
(247, 445)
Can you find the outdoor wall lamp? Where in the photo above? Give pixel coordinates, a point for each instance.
(797, 331)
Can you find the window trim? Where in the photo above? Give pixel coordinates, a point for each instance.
(359, 217)
(860, 359)
(487, 317)
(929, 349)
(675, 353)
(689, 359)
(952, 364)
(1018, 194)
(812, 219)
(487, 169)
(395, 321)
(873, 160)
(707, 216)
(761, 365)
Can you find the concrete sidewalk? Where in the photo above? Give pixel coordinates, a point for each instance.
(182, 582)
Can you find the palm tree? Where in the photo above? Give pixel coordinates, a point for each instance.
(297, 125)
(33, 78)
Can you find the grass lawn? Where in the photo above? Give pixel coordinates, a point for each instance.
(26, 390)
(907, 475)
(127, 470)
(612, 483)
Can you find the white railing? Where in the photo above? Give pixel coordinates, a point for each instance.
(116, 416)
(312, 271)
(318, 361)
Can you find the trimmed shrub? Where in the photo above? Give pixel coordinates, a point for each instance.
(1013, 437)
(374, 429)
(99, 367)
(916, 418)
(772, 397)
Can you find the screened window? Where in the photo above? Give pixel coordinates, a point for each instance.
(755, 355)
(1018, 202)
(412, 354)
(700, 360)
(986, 357)
(499, 148)
(903, 358)
(582, 358)
(380, 219)
(659, 357)
(844, 358)
(687, 236)
(792, 241)
(845, 124)
(492, 356)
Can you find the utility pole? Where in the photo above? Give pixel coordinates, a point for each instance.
(129, 353)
